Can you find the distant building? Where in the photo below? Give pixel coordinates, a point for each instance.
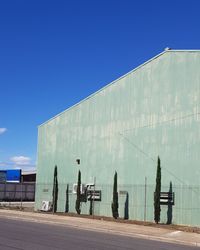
(17, 185)
(29, 176)
(152, 111)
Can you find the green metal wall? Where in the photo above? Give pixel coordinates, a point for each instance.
(151, 111)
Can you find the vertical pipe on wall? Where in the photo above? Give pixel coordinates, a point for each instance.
(145, 198)
(93, 197)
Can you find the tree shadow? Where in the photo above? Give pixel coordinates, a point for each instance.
(169, 210)
(126, 207)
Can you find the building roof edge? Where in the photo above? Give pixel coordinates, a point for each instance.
(113, 82)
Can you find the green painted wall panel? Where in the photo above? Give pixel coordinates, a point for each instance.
(153, 110)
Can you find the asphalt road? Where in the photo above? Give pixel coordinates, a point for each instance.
(16, 234)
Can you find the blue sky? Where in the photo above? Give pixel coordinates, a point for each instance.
(55, 53)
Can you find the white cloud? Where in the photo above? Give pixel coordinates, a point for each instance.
(18, 162)
(13, 165)
(3, 130)
(21, 160)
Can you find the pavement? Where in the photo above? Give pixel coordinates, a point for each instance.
(110, 227)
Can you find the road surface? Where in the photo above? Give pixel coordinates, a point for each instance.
(18, 235)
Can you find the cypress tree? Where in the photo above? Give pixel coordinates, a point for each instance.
(55, 190)
(78, 193)
(157, 208)
(67, 200)
(91, 206)
(115, 204)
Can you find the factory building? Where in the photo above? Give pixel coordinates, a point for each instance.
(152, 111)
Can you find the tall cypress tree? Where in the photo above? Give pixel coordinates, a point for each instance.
(157, 208)
(67, 200)
(78, 193)
(115, 204)
(91, 206)
(55, 190)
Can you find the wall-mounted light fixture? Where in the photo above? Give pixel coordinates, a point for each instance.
(78, 161)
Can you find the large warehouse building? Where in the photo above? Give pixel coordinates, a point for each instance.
(152, 111)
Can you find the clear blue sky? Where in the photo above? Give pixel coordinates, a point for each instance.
(55, 53)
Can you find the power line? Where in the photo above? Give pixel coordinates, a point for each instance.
(160, 123)
(135, 146)
(152, 159)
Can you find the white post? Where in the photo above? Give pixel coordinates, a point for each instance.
(93, 197)
(145, 198)
(21, 190)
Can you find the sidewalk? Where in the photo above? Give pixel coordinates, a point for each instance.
(23, 204)
(130, 230)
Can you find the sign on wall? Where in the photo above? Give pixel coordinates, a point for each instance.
(167, 198)
(94, 195)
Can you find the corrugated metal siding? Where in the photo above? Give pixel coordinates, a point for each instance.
(151, 111)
